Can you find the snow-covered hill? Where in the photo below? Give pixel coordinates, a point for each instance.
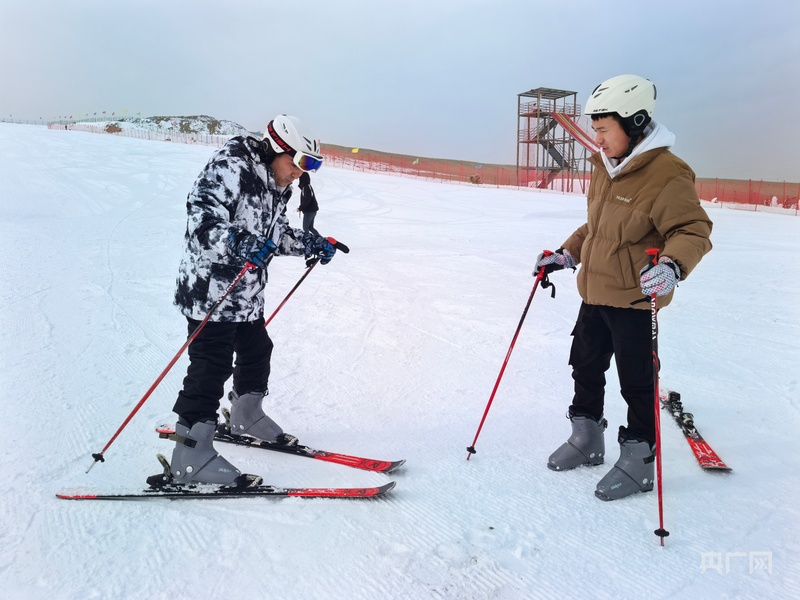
(390, 351)
(199, 124)
(187, 125)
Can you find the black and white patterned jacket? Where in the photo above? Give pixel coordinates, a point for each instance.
(235, 191)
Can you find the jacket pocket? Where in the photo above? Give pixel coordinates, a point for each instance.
(220, 278)
(627, 268)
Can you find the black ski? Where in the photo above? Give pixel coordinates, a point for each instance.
(706, 457)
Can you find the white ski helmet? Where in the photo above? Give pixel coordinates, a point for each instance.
(289, 134)
(631, 97)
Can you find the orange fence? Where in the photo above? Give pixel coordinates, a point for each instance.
(374, 161)
(752, 195)
(781, 197)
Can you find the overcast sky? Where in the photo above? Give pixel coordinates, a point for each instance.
(435, 78)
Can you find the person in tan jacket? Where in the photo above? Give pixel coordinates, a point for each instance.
(641, 196)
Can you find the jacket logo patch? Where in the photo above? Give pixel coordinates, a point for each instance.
(624, 199)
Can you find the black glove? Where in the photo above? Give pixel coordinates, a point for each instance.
(318, 246)
(255, 249)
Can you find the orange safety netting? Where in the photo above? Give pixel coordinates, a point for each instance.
(745, 194)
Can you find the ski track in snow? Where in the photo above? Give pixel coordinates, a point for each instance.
(390, 352)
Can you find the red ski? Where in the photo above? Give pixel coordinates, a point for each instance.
(245, 486)
(708, 459)
(357, 462)
(208, 491)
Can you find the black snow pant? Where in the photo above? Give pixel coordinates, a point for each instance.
(211, 363)
(308, 222)
(625, 333)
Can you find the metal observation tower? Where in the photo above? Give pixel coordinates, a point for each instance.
(552, 150)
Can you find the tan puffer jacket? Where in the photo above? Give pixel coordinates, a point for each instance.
(651, 203)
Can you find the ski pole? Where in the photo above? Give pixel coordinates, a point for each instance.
(310, 264)
(98, 457)
(660, 532)
(540, 276)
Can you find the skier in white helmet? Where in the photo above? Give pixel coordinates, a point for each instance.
(236, 215)
(641, 196)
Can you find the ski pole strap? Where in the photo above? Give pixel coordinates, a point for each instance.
(546, 283)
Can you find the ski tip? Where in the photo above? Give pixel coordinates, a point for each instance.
(383, 489)
(393, 466)
(717, 468)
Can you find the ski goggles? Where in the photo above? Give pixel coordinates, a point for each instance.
(307, 162)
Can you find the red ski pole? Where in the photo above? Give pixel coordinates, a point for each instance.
(98, 457)
(660, 532)
(539, 277)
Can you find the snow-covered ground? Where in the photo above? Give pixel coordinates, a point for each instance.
(390, 352)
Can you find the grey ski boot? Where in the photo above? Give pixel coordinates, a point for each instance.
(634, 472)
(247, 418)
(586, 445)
(194, 459)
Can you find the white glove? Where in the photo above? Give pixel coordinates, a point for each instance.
(660, 279)
(554, 261)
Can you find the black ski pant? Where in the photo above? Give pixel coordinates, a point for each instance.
(308, 222)
(625, 333)
(211, 363)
